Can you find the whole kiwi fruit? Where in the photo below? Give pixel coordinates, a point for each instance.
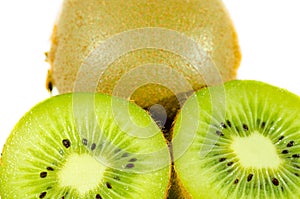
(152, 52)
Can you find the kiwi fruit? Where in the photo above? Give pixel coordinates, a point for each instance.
(150, 52)
(85, 145)
(239, 141)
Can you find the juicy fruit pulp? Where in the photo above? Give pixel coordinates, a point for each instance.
(85, 146)
(86, 168)
(240, 140)
(250, 156)
(145, 51)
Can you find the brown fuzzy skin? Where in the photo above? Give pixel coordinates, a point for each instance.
(83, 25)
(177, 190)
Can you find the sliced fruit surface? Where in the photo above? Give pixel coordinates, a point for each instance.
(240, 140)
(85, 146)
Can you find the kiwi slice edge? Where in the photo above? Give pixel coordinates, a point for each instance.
(244, 144)
(81, 131)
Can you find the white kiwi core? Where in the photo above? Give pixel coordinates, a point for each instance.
(256, 151)
(81, 172)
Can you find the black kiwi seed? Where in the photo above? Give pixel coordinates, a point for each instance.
(263, 125)
(93, 146)
(228, 123)
(249, 178)
(66, 143)
(222, 159)
(281, 137)
(50, 169)
(296, 156)
(219, 133)
(275, 181)
(42, 195)
(229, 164)
(290, 144)
(245, 127)
(285, 152)
(236, 181)
(296, 174)
(108, 185)
(132, 160)
(98, 196)
(223, 125)
(43, 174)
(84, 141)
(129, 166)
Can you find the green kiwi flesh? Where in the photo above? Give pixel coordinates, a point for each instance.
(85, 146)
(240, 140)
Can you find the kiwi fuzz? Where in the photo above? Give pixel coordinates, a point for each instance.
(156, 71)
(85, 145)
(248, 148)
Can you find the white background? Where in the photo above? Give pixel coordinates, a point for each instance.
(268, 33)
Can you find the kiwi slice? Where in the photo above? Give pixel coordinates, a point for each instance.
(151, 52)
(240, 140)
(85, 146)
